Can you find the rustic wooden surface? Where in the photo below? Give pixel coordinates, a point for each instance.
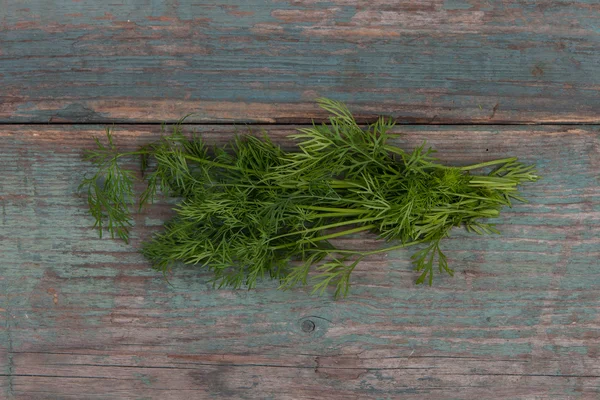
(86, 318)
(484, 61)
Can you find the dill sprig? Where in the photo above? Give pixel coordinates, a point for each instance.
(252, 210)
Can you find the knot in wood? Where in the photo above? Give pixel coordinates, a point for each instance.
(308, 325)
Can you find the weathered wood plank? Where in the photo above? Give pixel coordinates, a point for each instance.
(484, 61)
(87, 317)
(335, 377)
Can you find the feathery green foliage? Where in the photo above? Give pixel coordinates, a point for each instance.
(253, 210)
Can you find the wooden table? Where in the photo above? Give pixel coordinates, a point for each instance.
(86, 318)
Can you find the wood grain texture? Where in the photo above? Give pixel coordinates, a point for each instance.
(483, 61)
(87, 318)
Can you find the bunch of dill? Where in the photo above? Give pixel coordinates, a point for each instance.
(251, 209)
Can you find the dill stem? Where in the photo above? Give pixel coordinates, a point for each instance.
(216, 164)
(335, 183)
(383, 250)
(482, 213)
(189, 157)
(239, 185)
(326, 237)
(333, 209)
(131, 153)
(319, 228)
(336, 214)
(394, 149)
(344, 184)
(343, 233)
(488, 163)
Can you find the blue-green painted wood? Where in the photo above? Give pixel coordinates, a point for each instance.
(87, 318)
(484, 61)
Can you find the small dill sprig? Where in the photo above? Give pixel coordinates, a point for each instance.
(253, 210)
(109, 190)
